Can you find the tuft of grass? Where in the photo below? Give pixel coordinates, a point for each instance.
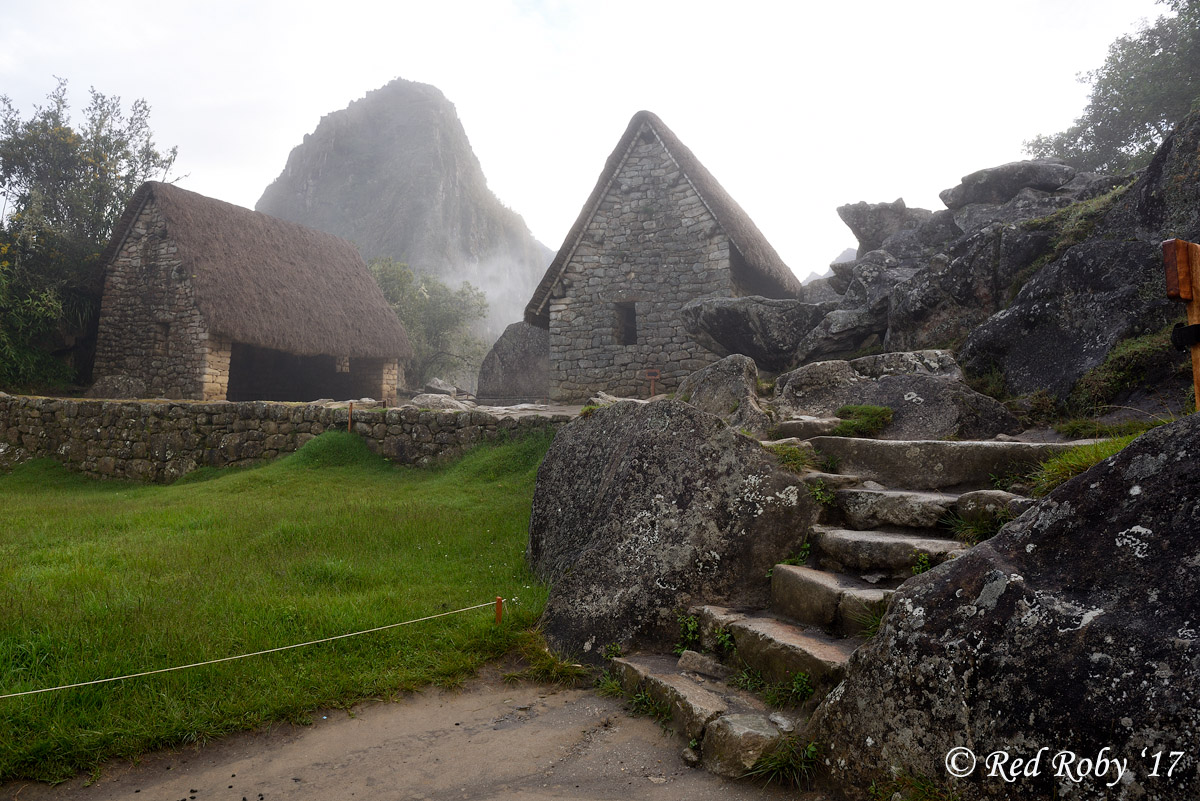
(1069, 226)
(109, 578)
(976, 530)
(608, 685)
(793, 692)
(544, 665)
(990, 382)
(871, 619)
(1068, 464)
(1131, 363)
(765, 388)
(748, 679)
(1086, 428)
(862, 420)
(644, 703)
(798, 460)
(921, 563)
(589, 410)
(792, 763)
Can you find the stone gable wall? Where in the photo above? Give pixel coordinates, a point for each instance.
(150, 328)
(163, 440)
(653, 243)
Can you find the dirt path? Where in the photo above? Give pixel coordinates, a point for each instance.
(488, 741)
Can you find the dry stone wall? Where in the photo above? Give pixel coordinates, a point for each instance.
(163, 440)
(651, 246)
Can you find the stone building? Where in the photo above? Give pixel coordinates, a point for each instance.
(205, 300)
(658, 231)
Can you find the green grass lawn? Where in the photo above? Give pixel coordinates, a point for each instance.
(101, 579)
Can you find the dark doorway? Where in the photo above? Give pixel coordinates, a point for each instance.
(265, 374)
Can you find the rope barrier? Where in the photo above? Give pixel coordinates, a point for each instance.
(495, 603)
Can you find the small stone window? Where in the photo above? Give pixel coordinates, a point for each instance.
(626, 330)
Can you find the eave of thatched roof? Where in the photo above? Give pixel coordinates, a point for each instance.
(271, 283)
(766, 272)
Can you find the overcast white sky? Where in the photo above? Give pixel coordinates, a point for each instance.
(795, 107)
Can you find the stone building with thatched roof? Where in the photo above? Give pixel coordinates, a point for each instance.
(657, 232)
(205, 300)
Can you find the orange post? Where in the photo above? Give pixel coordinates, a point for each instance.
(1182, 262)
(499, 609)
(350, 419)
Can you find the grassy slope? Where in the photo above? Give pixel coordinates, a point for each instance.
(100, 579)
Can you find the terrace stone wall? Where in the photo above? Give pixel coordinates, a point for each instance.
(160, 441)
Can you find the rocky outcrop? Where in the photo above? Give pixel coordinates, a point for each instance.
(1033, 270)
(394, 173)
(1106, 288)
(1073, 630)
(517, 368)
(768, 330)
(996, 185)
(643, 509)
(924, 390)
(729, 390)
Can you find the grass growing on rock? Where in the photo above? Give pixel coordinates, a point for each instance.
(1077, 460)
(1131, 363)
(862, 420)
(104, 579)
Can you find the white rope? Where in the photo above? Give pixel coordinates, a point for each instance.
(244, 656)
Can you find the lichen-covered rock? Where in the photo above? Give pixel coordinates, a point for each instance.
(641, 510)
(765, 329)
(1074, 629)
(728, 389)
(517, 368)
(923, 390)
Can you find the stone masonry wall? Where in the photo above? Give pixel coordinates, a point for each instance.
(163, 440)
(652, 243)
(150, 327)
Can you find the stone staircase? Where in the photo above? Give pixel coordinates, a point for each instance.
(885, 507)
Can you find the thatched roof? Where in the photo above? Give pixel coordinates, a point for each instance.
(271, 283)
(763, 270)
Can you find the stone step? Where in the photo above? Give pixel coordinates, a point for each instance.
(780, 649)
(893, 552)
(869, 509)
(934, 464)
(732, 727)
(835, 602)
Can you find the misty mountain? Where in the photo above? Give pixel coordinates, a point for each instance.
(394, 173)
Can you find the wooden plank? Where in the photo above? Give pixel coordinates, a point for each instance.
(1177, 263)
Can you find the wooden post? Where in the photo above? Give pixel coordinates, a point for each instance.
(499, 609)
(350, 419)
(653, 375)
(1182, 262)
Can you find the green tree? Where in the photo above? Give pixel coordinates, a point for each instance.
(63, 189)
(438, 320)
(1146, 85)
